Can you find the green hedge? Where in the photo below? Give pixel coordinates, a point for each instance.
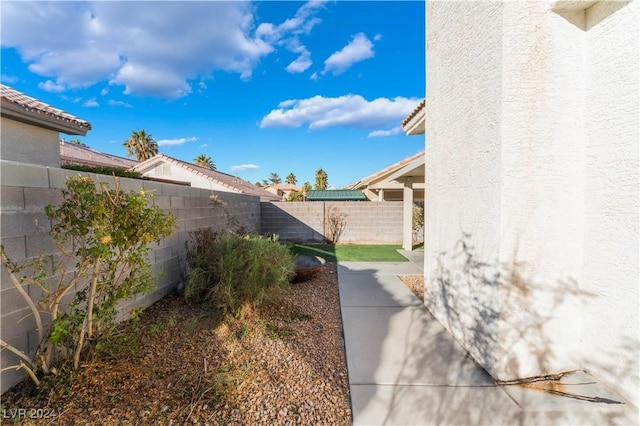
(104, 170)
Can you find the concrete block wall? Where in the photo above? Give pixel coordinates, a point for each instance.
(24, 232)
(364, 222)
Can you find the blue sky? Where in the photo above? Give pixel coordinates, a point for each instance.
(260, 87)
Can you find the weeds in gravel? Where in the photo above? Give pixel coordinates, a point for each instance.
(274, 331)
(243, 331)
(122, 344)
(211, 387)
(301, 316)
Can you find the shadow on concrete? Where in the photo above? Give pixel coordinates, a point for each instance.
(404, 367)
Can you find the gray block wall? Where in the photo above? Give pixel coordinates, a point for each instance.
(364, 222)
(24, 232)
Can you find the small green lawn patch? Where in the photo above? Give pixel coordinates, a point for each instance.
(351, 252)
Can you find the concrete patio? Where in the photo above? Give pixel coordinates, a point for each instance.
(405, 369)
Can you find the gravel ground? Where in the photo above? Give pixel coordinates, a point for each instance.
(283, 364)
(415, 284)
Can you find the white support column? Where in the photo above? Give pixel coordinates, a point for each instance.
(407, 215)
(381, 195)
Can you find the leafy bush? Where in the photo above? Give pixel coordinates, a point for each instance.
(105, 234)
(231, 270)
(104, 170)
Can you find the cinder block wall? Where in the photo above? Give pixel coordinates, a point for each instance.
(364, 222)
(24, 232)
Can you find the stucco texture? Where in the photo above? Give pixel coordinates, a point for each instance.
(531, 249)
(25, 143)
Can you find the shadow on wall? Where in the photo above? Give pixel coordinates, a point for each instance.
(513, 326)
(274, 220)
(504, 319)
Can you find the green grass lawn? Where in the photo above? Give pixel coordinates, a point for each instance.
(351, 253)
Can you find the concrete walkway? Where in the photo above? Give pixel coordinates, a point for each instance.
(405, 369)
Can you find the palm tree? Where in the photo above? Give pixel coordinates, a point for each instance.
(292, 179)
(321, 179)
(306, 188)
(205, 161)
(142, 145)
(274, 178)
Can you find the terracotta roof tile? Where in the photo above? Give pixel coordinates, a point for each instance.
(33, 105)
(78, 154)
(415, 112)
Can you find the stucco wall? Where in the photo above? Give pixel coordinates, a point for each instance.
(27, 189)
(611, 255)
(28, 144)
(364, 222)
(178, 173)
(463, 165)
(532, 174)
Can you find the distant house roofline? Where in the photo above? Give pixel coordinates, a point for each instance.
(84, 155)
(243, 187)
(387, 171)
(20, 107)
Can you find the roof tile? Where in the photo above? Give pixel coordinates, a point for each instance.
(11, 95)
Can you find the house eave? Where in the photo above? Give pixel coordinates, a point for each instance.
(42, 119)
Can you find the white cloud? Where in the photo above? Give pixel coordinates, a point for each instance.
(10, 79)
(348, 110)
(104, 91)
(288, 34)
(243, 167)
(383, 133)
(112, 102)
(313, 76)
(377, 37)
(302, 62)
(78, 44)
(176, 142)
(204, 145)
(90, 103)
(50, 86)
(358, 49)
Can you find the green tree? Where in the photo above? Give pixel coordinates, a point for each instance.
(292, 179)
(265, 182)
(321, 179)
(274, 178)
(306, 188)
(77, 142)
(295, 196)
(205, 161)
(141, 145)
(258, 184)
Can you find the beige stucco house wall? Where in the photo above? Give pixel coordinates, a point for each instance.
(532, 171)
(30, 129)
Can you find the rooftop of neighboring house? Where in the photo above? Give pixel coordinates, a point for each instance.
(234, 183)
(18, 106)
(285, 187)
(387, 171)
(336, 195)
(81, 154)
